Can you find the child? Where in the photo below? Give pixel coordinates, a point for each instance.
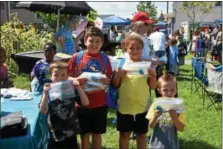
(165, 127)
(40, 72)
(93, 118)
(5, 82)
(133, 96)
(62, 118)
(173, 55)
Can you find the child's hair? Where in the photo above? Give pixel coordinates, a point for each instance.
(172, 42)
(90, 24)
(93, 31)
(133, 36)
(50, 46)
(166, 78)
(136, 26)
(58, 65)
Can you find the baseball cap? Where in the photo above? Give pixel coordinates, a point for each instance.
(142, 16)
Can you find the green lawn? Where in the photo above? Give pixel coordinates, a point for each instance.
(203, 127)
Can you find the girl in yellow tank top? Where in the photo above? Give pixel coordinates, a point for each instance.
(133, 95)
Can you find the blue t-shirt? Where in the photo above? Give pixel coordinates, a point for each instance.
(173, 54)
(69, 44)
(41, 75)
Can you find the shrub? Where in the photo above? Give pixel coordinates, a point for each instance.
(15, 33)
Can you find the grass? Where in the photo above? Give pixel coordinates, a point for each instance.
(203, 127)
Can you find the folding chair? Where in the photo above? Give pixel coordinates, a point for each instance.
(198, 76)
(213, 90)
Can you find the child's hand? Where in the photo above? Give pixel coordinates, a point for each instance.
(173, 114)
(106, 81)
(82, 81)
(76, 82)
(121, 73)
(46, 88)
(157, 113)
(152, 72)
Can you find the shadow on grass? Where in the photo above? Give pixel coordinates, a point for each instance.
(110, 118)
(110, 122)
(183, 78)
(195, 144)
(187, 71)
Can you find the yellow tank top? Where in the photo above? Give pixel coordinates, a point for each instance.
(134, 95)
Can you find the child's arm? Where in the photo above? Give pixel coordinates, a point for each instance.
(178, 124)
(44, 100)
(152, 81)
(153, 121)
(83, 96)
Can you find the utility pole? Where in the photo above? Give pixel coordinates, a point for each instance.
(7, 10)
(167, 7)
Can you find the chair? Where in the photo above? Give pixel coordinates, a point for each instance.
(213, 90)
(198, 76)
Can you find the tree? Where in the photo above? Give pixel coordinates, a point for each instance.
(196, 11)
(149, 8)
(51, 18)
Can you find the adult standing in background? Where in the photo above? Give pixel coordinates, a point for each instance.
(140, 25)
(65, 39)
(80, 38)
(219, 43)
(182, 46)
(112, 36)
(158, 41)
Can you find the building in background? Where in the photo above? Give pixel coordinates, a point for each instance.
(25, 16)
(179, 15)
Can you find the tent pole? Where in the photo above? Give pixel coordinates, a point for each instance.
(58, 19)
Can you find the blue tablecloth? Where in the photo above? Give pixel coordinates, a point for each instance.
(37, 135)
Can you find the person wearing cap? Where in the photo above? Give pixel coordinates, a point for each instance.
(158, 41)
(140, 25)
(40, 72)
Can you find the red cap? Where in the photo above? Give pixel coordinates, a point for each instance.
(142, 16)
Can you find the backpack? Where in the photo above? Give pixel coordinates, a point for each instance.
(112, 92)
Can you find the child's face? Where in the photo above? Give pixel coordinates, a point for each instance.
(2, 57)
(93, 44)
(134, 48)
(49, 55)
(168, 89)
(58, 75)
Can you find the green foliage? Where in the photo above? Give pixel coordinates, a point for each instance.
(149, 8)
(51, 18)
(25, 38)
(196, 9)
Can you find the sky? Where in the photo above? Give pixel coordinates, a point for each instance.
(124, 9)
